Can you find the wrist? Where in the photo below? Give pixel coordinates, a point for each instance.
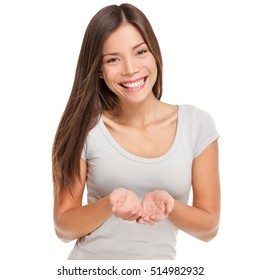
(173, 205)
(173, 208)
(108, 205)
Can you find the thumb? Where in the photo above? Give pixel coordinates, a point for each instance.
(113, 203)
(114, 209)
(169, 205)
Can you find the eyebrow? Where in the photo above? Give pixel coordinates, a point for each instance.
(133, 48)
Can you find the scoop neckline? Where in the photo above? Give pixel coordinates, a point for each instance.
(136, 158)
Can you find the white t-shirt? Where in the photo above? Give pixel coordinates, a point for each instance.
(110, 167)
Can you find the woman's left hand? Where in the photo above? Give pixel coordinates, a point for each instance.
(156, 206)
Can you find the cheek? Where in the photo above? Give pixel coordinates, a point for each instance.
(153, 70)
(110, 80)
(151, 65)
(110, 77)
(154, 66)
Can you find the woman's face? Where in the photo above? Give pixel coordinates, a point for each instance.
(129, 68)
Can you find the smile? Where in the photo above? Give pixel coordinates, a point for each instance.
(134, 84)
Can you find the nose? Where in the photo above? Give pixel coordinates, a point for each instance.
(130, 67)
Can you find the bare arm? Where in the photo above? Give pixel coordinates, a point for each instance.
(202, 218)
(71, 219)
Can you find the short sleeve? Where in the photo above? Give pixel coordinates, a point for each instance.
(84, 151)
(205, 131)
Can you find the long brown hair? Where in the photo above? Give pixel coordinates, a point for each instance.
(90, 95)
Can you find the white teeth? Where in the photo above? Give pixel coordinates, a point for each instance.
(134, 85)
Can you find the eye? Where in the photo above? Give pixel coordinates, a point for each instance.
(142, 52)
(112, 60)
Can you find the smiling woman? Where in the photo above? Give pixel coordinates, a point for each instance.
(132, 68)
(138, 157)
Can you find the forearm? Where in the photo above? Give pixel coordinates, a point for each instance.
(194, 221)
(80, 221)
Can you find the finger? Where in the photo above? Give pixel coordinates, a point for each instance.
(168, 210)
(114, 202)
(150, 222)
(136, 216)
(114, 209)
(142, 221)
(157, 218)
(128, 215)
(133, 217)
(145, 221)
(169, 206)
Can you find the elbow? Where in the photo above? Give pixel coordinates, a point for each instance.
(61, 232)
(63, 237)
(209, 236)
(211, 231)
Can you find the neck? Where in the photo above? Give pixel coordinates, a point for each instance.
(138, 115)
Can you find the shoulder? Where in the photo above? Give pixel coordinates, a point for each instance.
(201, 125)
(93, 136)
(193, 110)
(195, 115)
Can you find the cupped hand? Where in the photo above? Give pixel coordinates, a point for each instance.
(125, 204)
(156, 206)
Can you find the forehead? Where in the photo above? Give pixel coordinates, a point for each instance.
(124, 37)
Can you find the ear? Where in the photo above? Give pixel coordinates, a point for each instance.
(100, 74)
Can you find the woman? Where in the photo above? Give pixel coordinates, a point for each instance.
(138, 155)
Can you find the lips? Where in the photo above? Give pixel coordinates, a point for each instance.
(134, 84)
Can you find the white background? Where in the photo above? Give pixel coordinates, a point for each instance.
(211, 54)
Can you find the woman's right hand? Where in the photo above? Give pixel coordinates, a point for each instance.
(125, 204)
